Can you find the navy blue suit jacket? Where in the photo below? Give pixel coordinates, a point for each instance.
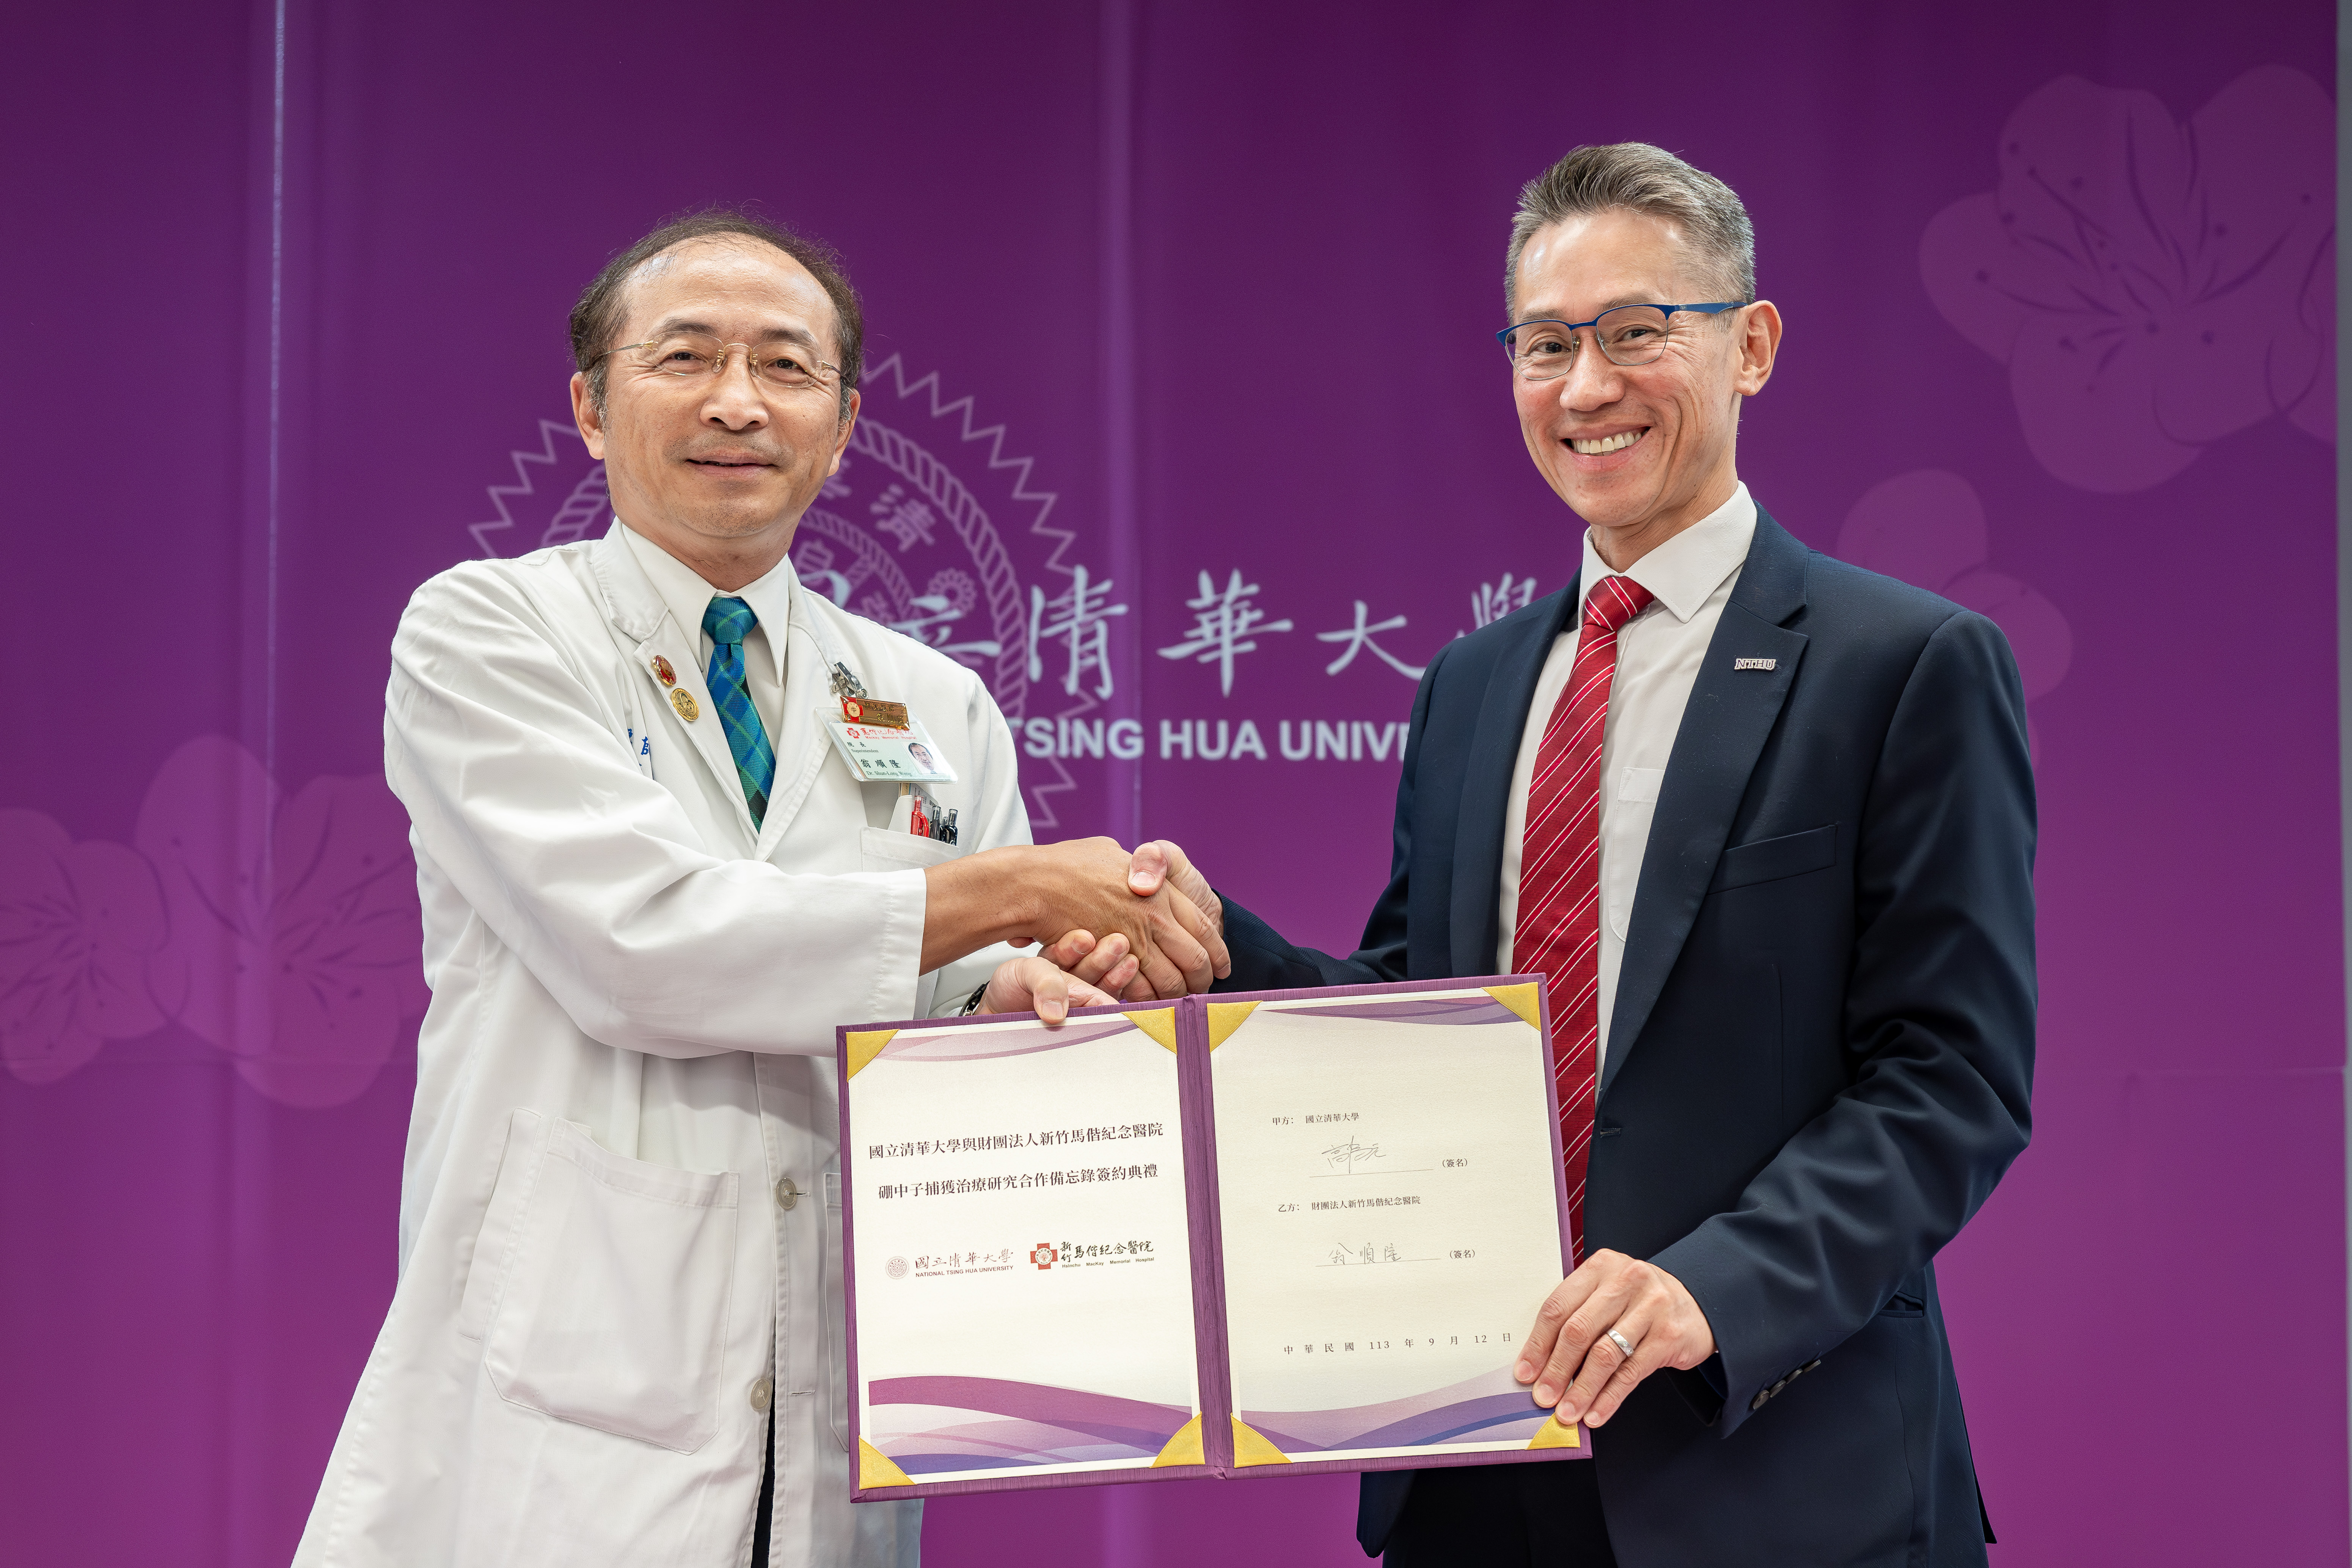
(1820, 1057)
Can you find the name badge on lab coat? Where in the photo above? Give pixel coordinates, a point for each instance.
(879, 754)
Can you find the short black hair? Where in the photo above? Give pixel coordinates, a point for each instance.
(596, 319)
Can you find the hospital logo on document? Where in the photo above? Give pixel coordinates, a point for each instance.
(930, 527)
(1043, 1254)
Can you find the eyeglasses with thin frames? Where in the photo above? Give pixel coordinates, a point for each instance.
(690, 354)
(1543, 350)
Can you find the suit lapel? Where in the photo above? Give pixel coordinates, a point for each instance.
(1486, 787)
(1730, 717)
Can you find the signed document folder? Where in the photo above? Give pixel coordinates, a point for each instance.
(1237, 1236)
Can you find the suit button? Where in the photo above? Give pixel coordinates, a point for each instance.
(762, 1391)
(1811, 1365)
(787, 1194)
(1758, 1402)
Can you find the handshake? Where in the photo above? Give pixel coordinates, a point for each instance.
(1113, 925)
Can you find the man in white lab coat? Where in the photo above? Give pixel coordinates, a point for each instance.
(651, 888)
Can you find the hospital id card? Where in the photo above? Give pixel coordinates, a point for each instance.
(879, 754)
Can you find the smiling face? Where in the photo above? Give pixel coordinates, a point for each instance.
(717, 469)
(1641, 452)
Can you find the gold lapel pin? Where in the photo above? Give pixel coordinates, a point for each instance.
(683, 701)
(663, 672)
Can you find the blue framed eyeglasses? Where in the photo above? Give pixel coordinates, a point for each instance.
(1629, 334)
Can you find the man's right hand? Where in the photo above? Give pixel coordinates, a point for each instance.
(1039, 893)
(1107, 964)
(1163, 864)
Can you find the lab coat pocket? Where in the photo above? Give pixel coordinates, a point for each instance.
(837, 1344)
(619, 1282)
(885, 850)
(493, 1249)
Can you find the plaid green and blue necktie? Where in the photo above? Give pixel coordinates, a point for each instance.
(729, 622)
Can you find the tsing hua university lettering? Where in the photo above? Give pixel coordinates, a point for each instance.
(1217, 740)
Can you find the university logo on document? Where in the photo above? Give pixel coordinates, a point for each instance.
(932, 528)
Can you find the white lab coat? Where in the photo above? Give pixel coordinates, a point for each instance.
(628, 1051)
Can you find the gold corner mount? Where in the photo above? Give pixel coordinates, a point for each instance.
(1184, 1448)
(1520, 999)
(1251, 1447)
(1160, 1023)
(865, 1045)
(1224, 1017)
(875, 1468)
(1553, 1435)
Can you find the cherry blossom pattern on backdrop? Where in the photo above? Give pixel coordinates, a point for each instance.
(295, 934)
(283, 931)
(2152, 285)
(78, 925)
(1927, 528)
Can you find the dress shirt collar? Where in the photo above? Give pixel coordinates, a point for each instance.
(1688, 569)
(686, 596)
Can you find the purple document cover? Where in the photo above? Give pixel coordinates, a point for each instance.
(1007, 1427)
(1014, 1427)
(1454, 1411)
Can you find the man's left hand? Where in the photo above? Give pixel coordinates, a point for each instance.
(1036, 984)
(1107, 965)
(1571, 1343)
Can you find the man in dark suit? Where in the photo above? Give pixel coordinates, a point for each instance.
(1766, 822)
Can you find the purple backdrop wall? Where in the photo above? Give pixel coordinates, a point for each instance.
(1194, 297)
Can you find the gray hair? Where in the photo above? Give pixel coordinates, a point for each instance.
(1634, 176)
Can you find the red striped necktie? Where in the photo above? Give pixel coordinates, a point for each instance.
(1558, 933)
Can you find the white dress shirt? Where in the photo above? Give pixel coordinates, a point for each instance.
(685, 593)
(1658, 654)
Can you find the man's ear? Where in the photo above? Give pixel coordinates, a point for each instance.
(1759, 346)
(591, 424)
(841, 436)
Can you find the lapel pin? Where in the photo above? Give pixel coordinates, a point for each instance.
(876, 711)
(683, 701)
(663, 672)
(1754, 663)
